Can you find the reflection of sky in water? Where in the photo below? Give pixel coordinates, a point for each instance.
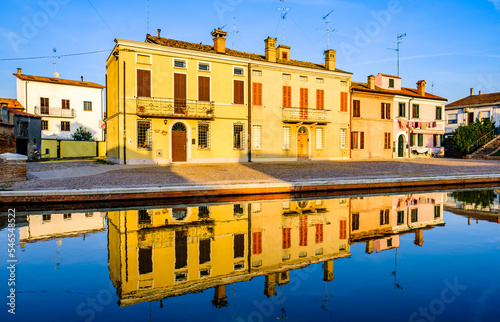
(68, 279)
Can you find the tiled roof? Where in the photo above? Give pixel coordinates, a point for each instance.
(230, 52)
(404, 91)
(391, 76)
(11, 103)
(474, 100)
(20, 113)
(57, 81)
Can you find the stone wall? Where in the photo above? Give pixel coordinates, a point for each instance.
(12, 168)
(7, 138)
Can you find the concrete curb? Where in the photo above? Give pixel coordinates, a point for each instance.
(114, 194)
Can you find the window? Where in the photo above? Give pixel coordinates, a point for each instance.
(65, 104)
(204, 88)
(257, 243)
(342, 138)
(356, 108)
(389, 242)
(319, 234)
(357, 140)
(181, 248)
(239, 71)
(143, 83)
(239, 246)
(44, 105)
(180, 63)
(402, 110)
(437, 211)
(256, 208)
(286, 138)
(45, 125)
(67, 216)
(286, 238)
(145, 257)
(46, 217)
(239, 92)
(204, 136)
(384, 217)
(385, 111)
(391, 83)
(343, 229)
(387, 140)
(144, 137)
(303, 78)
(203, 212)
(287, 96)
(204, 67)
(286, 76)
(65, 126)
(238, 136)
(420, 139)
(256, 72)
(256, 137)
(320, 99)
(87, 106)
(355, 221)
(257, 94)
(439, 112)
(452, 118)
(484, 115)
(416, 111)
(320, 138)
(304, 98)
(401, 217)
(143, 217)
(437, 140)
(414, 215)
(320, 80)
(204, 250)
(343, 101)
(303, 231)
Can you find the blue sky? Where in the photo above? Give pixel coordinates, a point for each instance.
(451, 44)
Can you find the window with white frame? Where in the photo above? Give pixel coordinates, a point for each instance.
(342, 138)
(286, 138)
(320, 80)
(303, 78)
(239, 136)
(204, 66)
(452, 118)
(203, 136)
(256, 137)
(239, 71)
(144, 137)
(320, 138)
(256, 72)
(287, 76)
(180, 63)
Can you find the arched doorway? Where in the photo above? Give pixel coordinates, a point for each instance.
(179, 143)
(401, 144)
(303, 143)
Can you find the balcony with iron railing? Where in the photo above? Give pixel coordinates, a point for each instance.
(54, 111)
(179, 108)
(305, 115)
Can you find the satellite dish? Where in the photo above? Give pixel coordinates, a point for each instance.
(56, 74)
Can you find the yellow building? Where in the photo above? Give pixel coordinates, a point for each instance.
(174, 101)
(371, 121)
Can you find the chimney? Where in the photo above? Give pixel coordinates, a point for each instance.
(471, 91)
(330, 59)
(81, 77)
(270, 49)
(421, 88)
(219, 41)
(479, 93)
(371, 82)
(159, 32)
(283, 52)
(19, 71)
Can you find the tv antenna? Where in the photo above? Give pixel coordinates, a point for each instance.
(147, 21)
(56, 74)
(234, 29)
(284, 12)
(327, 18)
(398, 42)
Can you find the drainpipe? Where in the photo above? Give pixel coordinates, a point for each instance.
(124, 119)
(408, 130)
(350, 126)
(249, 153)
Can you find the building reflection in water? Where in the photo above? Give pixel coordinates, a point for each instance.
(159, 253)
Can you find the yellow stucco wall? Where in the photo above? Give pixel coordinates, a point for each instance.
(51, 145)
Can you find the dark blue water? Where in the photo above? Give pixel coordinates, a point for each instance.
(349, 261)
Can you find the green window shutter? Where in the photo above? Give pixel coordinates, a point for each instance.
(411, 139)
(420, 139)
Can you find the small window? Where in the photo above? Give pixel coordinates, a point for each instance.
(65, 126)
(67, 216)
(391, 83)
(402, 110)
(320, 80)
(387, 141)
(416, 111)
(180, 63)
(45, 125)
(286, 138)
(87, 106)
(452, 118)
(144, 135)
(356, 108)
(437, 211)
(238, 136)
(285, 56)
(343, 83)
(439, 113)
(287, 76)
(256, 73)
(320, 138)
(342, 138)
(256, 137)
(239, 71)
(414, 215)
(303, 78)
(46, 217)
(204, 67)
(65, 104)
(203, 212)
(401, 217)
(204, 136)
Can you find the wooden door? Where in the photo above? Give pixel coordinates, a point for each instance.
(180, 93)
(302, 144)
(179, 144)
(400, 146)
(470, 118)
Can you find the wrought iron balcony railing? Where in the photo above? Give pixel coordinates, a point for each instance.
(54, 111)
(170, 107)
(306, 115)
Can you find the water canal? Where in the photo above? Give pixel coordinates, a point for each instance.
(430, 256)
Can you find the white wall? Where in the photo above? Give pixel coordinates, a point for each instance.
(494, 111)
(55, 93)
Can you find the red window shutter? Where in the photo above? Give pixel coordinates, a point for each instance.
(388, 111)
(382, 111)
(343, 101)
(303, 231)
(257, 242)
(143, 83)
(319, 233)
(287, 96)
(204, 89)
(257, 94)
(361, 140)
(287, 233)
(320, 99)
(343, 229)
(239, 94)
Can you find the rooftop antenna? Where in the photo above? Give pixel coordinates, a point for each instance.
(56, 74)
(398, 42)
(147, 23)
(234, 29)
(327, 18)
(284, 12)
(432, 88)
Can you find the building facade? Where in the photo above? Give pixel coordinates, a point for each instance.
(64, 105)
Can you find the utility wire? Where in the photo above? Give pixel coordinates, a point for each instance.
(101, 18)
(58, 56)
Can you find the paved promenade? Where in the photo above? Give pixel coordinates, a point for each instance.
(89, 175)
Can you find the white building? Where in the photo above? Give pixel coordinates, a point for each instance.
(64, 105)
(472, 107)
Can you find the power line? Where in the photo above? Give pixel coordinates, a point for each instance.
(58, 56)
(101, 18)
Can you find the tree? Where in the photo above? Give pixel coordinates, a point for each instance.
(82, 134)
(466, 135)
